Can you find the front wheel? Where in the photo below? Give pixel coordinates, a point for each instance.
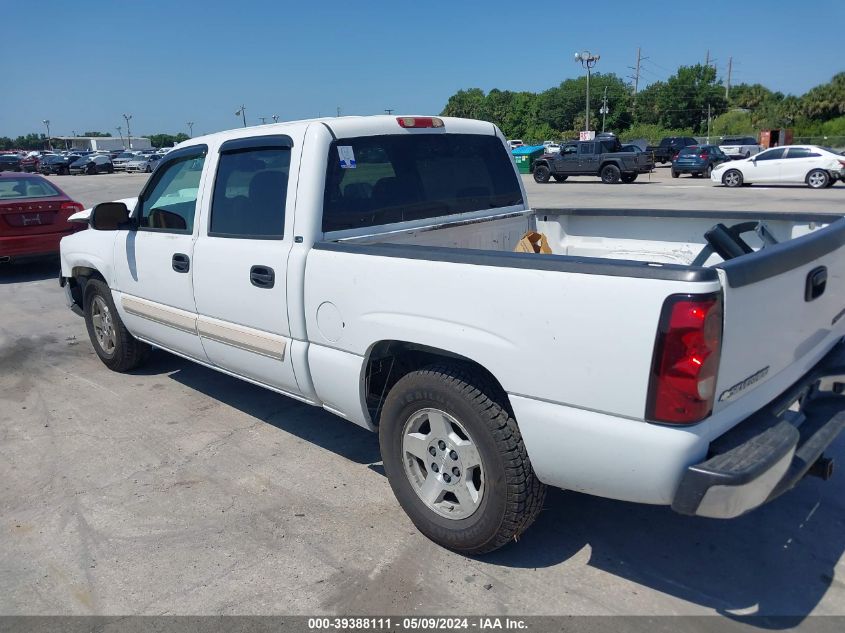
(560, 178)
(455, 459)
(116, 347)
(732, 178)
(818, 179)
(610, 174)
(541, 174)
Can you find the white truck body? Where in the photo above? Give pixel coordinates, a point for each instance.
(569, 337)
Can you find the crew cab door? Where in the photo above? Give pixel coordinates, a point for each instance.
(240, 261)
(567, 161)
(588, 160)
(153, 263)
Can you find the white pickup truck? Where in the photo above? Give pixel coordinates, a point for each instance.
(366, 265)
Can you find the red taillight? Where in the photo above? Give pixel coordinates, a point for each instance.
(71, 207)
(686, 359)
(419, 121)
(674, 157)
(704, 156)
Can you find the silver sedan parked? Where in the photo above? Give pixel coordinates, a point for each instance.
(143, 163)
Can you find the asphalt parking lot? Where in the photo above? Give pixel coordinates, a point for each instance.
(179, 490)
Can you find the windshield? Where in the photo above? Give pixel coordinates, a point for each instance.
(373, 180)
(12, 188)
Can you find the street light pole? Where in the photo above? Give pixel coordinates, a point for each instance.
(128, 117)
(275, 118)
(588, 60)
(242, 113)
(47, 123)
(604, 109)
(119, 129)
(190, 125)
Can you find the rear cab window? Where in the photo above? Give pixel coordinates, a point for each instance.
(374, 180)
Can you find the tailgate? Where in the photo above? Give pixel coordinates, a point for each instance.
(784, 308)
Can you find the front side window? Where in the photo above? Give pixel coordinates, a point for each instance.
(372, 180)
(569, 149)
(250, 193)
(771, 154)
(170, 201)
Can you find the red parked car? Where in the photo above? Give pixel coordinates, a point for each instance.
(33, 216)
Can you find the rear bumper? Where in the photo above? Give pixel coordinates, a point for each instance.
(771, 451)
(31, 245)
(690, 169)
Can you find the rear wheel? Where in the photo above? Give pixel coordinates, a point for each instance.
(541, 174)
(708, 171)
(92, 169)
(818, 179)
(455, 459)
(116, 347)
(610, 174)
(110, 169)
(675, 174)
(560, 178)
(732, 178)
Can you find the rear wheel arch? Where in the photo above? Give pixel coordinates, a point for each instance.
(387, 361)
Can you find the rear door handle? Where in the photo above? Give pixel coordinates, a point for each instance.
(181, 263)
(262, 277)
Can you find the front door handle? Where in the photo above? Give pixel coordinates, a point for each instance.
(262, 277)
(181, 263)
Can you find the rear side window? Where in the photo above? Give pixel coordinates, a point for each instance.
(396, 178)
(586, 148)
(250, 192)
(799, 152)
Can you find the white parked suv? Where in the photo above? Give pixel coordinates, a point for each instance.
(740, 146)
(366, 265)
(817, 167)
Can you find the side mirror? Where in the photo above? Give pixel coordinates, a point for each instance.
(109, 216)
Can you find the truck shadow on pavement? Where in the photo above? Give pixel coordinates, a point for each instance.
(302, 420)
(769, 569)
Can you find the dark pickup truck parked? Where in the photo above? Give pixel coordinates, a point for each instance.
(669, 146)
(601, 157)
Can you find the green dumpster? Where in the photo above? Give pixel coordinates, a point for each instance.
(526, 155)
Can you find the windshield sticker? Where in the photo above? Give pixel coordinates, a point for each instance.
(347, 156)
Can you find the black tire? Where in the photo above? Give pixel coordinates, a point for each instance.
(110, 169)
(542, 174)
(708, 171)
(559, 178)
(149, 169)
(675, 174)
(128, 352)
(817, 179)
(92, 170)
(732, 178)
(512, 495)
(629, 178)
(610, 174)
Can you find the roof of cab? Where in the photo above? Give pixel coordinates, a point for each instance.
(346, 127)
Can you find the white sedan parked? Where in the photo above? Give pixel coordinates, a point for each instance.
(815, 166)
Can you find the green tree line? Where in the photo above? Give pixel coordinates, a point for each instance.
(33, 140)
(680, 105)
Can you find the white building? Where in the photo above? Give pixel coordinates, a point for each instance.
(108, 143)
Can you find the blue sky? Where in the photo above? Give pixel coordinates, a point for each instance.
(171, 61)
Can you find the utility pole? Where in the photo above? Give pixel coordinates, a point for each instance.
(588, 60)
(728, 84)
(636, 78)
(604, 109)
(119, 129)
(263, 120)
(707, 58)
(388, 110)
(128, 117)
(338, 110)
(708, 124)
(242, 113)
(190, 125)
